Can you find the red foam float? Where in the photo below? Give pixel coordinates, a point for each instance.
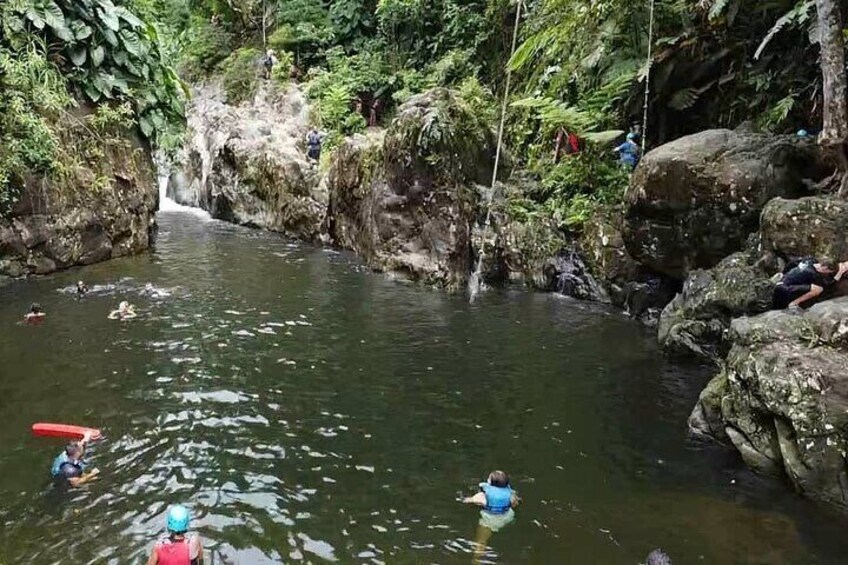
(67, 431)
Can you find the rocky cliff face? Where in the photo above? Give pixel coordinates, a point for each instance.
(696, 200)
(105, 209)
(782, 397)
(246, 164)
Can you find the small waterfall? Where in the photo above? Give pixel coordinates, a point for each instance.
(163, 176)
(574, 279)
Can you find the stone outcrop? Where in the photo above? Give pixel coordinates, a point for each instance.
(782, 398)
(246, 164)
(695, 200)
(696, 321)
(105, 209)
(406, 201)
(814, 226)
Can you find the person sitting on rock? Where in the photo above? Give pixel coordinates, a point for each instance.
(35, 314)
(125, 311)
(806, 281)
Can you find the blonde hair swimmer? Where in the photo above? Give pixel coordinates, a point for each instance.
(125, 311)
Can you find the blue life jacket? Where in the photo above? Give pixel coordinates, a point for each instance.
(62, 459)
(498, 499)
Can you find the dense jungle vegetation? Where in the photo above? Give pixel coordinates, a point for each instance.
(580, 67)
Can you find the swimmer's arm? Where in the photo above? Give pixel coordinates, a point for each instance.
(85, 478)
(196, 551)
(514, 501)
(113, 315)
(154, 558)
(479, 499)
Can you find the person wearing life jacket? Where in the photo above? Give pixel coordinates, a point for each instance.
(179, 547)
(499, 502)
(71, 467)
(35, 314)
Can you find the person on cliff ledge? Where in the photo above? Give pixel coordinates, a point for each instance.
(629, 152)
(268, 64)
(313, 144)
(806, 281)
(498, 502)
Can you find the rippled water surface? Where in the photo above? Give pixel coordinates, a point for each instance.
(308, 410)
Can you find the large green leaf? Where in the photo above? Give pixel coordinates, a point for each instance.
(92, 92)
(53, 15)
(81, 30)
(78, 55)
(111, 37)
(128, 17)
(34, 16)
(131, 43)
(146, 126)
(97, 55)
(109, 18)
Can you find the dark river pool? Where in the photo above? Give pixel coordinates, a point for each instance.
(308, 410)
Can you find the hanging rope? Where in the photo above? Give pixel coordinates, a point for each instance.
(648, 77)
(476, 274)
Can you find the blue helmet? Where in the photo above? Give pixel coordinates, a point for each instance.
(178, 519)
(803, 133)
(631, 136)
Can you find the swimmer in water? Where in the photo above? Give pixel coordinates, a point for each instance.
(499, 502)
(35, 314)
(179, 547)
(82, 289)
(70, 466)
(125, 311)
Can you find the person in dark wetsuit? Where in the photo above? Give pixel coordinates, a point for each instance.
(806, 281)
(70, 467)
(179, 547)
(82, 289)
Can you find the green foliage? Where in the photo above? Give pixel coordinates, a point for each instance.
(203, 47)
(240, 74)
(106, 51)
(31, 91)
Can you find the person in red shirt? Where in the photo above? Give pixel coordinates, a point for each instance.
(179, 547)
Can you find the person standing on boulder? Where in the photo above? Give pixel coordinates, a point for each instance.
(313, 144)
(806, 282)
(269, 62)
(629, 152)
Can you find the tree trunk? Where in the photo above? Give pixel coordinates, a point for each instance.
(834, 134)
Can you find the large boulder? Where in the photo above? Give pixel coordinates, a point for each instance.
(103, 207)
(247, 164)
(406, 201)
(697, 320)
(695, 200)
(814, 226)
(782, 397)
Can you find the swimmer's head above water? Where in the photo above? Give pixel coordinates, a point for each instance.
(498, 479)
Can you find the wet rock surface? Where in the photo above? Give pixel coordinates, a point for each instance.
(782, 398)
(105, 210)
(695, 200)
(247, 164)
(697, 320)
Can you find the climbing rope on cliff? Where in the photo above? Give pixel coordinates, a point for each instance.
(648, 65)
(474, 283)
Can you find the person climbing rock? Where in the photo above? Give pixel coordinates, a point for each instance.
(268, 63)
(82, 289)
(313, 144)
(125, 311)
(806, 281)
(629, 151)
(499, 502)
(35, 314)
(70, 465)
(179, 547)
